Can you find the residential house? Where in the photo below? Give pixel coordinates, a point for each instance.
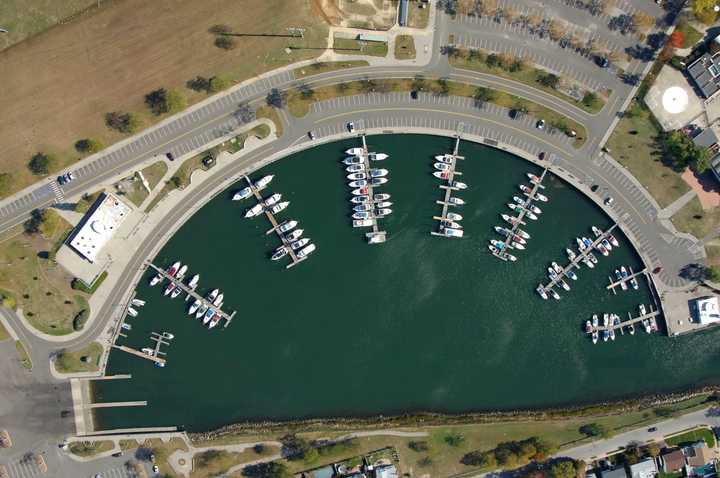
(644, 469)
(705, 72)
(673, 461)
(700, 459)
(618, 472)
(386, 471)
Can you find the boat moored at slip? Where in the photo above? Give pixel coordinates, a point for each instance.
(295, 245)
(378, 173)
(171, 271)
(279, 253)
(350, 160)
(377, 156)
(273, 199)
(137, 302)
(254, 211)
(355, 168)
(360, 191)
(287, 226)
(244, 193)
(355, 151)
(450, 224)
(208, 315)
(194, 307)
(279, 207)
(458, 185)
(444, 158)
(362, 183)
(356, 176)
(132, 312)
(441, 166)
(541, 290)
(383, 212)
(528, 190)
(441, 174)
(194, 281)
(294, 235)
(306, 251)
(262, 183)
(201, 311)
(453, 216)
(456, 201)
(378, 181)
(363, 222)
(452, 232)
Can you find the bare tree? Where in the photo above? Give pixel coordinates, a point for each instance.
(558, 28)
(642, 21)
(535, 21)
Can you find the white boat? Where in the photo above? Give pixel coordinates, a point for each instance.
(588, 327)
(634, 284)
(555, 295)
(612, 334)
(361, 215)
(441, 174)
(456, 201)
(358, 184)
(168, 335)
(194, 307)
(194, 281)
(538, 196)
(606, 244)
(452, 232)
(218, 300)
(201, 311)
(595, 335)
(516, 245)
(631, 329)
(564, 284)
(384, 211)
(360, 191)
(355, 151)
(272, 199)
(244, 193)
(453, 216)
(613, 240)
(595, 320)
(383, 204)
(264, 181)
(458, 184)
(592, 257)
(352, 160)
(556, 267)
(360, 199)
(444, 158)
(522, 233)
(169, 288)
(355, 168)
(441, 166)
(571, 274)
(451, 224)
(619, 277)
(499, 245)
(301, 243)
(214, 321)
(295, 235)
(305, 251)
(586, 260)
(377, 156)
(533, 179)
(596, 230)
(156, 280)
(511, 220)
(356, 176)
(138, 302)
(518, 208)
(212, 295)
(378, 181)
(363, 207)
(208, 316)
(540, 290)
(570, 253)
(279, 207)
(642, 310)
(362, 223)
(148, 351)
(501, 254)
(378, 173)
(176, 292)
(287, 225)
(279, 253)
(254, 211)
(126, 326)
(132, 312)
(181, 273)
(381, 197)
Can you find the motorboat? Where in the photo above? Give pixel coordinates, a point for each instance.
(305, 251)
(358, 184)
(452, 232)
(444, 158)
(606, 335)
(441, 166)
(295, 235)
(613, 240)
(385, 211)
(499, 245)
(194, 281)
(586, 241)
(606, 320)
(556, 267)
(272, 199)
(176, 292)
(527, 205)
(263, 182)
(646, 326)
(592, 257)
(212, 295)
(356, 176)
(148, 351)
(619, 278)
(516, 245)
(612, 334)
(132, 312)
(287, 226)
(363, 223)
(156, 280)
(194, 307)
(451, 224)
(218, 300)
(355, 168)
(299, 244)
(570, 253)
(533, 179)
(519, 208)
(602, 249)
(596, 230)
(201, 311)
(126, 326)
(360, 191)
(173, 269)
(554, 294)
(363, 207)
(378, 173)
(441, 174)
(383, 204)
(511, 220)
(377, 156)
(606, 244)
(653, 324)
(642, 309)
(595, 320)
(538, 196)
(595, 335)
(244, 193)
(381, 197)
(169, 288)
(208, 316)
(453, 216)
(552, 274)
(631, 329)
(586, 260)
(181, 273)
(503, 255)
(138, 302)
(634, 284)
(254, 211)
(361, 215)
(378, 181)
(564, 284)
(581, 245)
(588, 327)
(355, 151)
(456, 201)
(353, 160)
(624, 272)
(360, 199)
(540, 290)
(214, 321)
(279, 207)
(571, 274)
(279, 253)
(458, 184)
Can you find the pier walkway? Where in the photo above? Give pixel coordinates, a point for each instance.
(179, 283)
(137, 353)
(376, 236)
(625, 280)
(631, 321)
(449, 188)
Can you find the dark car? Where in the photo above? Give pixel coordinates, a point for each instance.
(414, 94)
(170, 156)
(208, 161)
(652, 429)
(602, 61)
(117, 454)
(541, 156)
(594, 188)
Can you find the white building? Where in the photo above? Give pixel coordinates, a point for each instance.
(98, 226)
(644, 469)
(707, 310)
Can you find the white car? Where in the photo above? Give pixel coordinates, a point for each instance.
(608, 201)
(311, 135)
(540, 124)
(351, 127)
(156, 469)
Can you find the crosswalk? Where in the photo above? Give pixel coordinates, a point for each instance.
(57, 190)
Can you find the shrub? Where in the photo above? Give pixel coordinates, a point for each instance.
(454, 439)
(80, 319)
(199, 83)
(217, 84)
(32, 225)
(79, 284)
(163, 101)
(122, 122)
(590, 99)
(39, 165)
(5, 183)
(594, 430)
(548, 79)
(418, 446)
(225, 42)
(89, 146)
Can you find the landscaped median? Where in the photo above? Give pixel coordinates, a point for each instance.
(300, 100)
(86, 359)
(327, 67)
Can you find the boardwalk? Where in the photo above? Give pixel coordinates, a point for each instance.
(449, 188)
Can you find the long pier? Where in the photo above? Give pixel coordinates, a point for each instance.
(179, 283)
(139, 403)
(573, 264)
(275, 226)
(140, 354)
(631, 321)
(376, 236)
(625, 280)
(449, 188)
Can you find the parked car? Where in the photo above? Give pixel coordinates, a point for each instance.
(541, 156)
(572, 133)
(170, 156)
(117, 454)
(414, 94)
(156, 469)
(602, 61)
(61, 180)
(311, 135)
(652, 429)
(594, 188)
(351, 127)
(608, 201)
(208, 161)
(540, 124)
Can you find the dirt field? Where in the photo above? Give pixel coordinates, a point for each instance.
(369, 14)
(58, 85)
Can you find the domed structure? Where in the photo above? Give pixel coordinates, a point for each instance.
(675, 100)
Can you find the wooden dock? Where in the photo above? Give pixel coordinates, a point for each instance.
(140, 354)
(448, 188)
(180, 284)
(275, 226)
(631, 321)
(574, 264)
(625, 280)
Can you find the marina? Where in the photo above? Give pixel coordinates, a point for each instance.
(448, 222)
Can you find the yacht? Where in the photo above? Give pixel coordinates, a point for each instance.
(595, 320)
(596, 230)
(378, 173)
(586, 260)
(556, 267)
(126, 326)
(571, 274)
(453, 216)
(513, 221)
(138, 302)
(295, 235)
(581, 245)
(360, 199)
(279, 207)
(624, 272)
(355, 151)
(214, 321)
(156, 280)
(607, 244)
(363, 207)
(613, 240)
(570, 253)
(441, 166)
(451, 224)
(208, 316)
(377, 156)
(642, 310)
(360, 191)
(169, 288)
(554, 293)
(356, 176)
(300, 243)
(444, 158)
(385, 211)
(592, 257)
(458, 184)
(352, 160)
(358, 184)
(564, 284)
(176, 292)
(606, 335)
(305, 251)
(362, 223)
(383, 204)
(361, 215)
(499, 245)
(263, 182)
(518, 208)
(272, 199)
(602, 249)
(181, 273)
(286, 226)
(201, 311)
(381, 197)
(254, 211)
(194, 307)
(646, 326)
(540, 290)
(378, 181)
(606, 320)
(194, 281)
(212, 295)
(533, 179)
(516, 245)
(132, 312)
(441, 174)
(612, 334)
(244, 193)
(355, 168)
(504, 256)
(527, 205)
(619, 277)
(456, 201)
(452, 232)
(279, 253)
(218, 300)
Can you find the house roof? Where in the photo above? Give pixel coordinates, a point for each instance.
(705, 71)
(387, 471)
(706, 138)
(618, 472)
(643, 469)
(673, 461)
(698, 454)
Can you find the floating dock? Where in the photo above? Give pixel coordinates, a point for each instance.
(631, 321)
(448, 188)
(376, 236)
(275, 226)
(179, 283)
(140, 354)
(159, 339)
(625, 280)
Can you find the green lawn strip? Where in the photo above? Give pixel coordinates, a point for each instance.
(216, 462)
(404, 47)
(299, 106)
(269, 112)
(633, 145)
(350, 46)
(690, 35)
(90, 448)
(712, 250)
(696, 221)
(87, 200)
(4, 334)
(79, 284)
(693, 436)
(418, 17)
(528, 76)
(23, 355)
(154, 173)
(70, 361)
(326, 67)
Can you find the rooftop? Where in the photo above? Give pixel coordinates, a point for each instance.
(705, 71)
(643, 469)
(707, 310)
(673, 461)
(699, 454)
(618, 472)
(98, 226)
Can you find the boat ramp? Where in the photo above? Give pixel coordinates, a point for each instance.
(448, 188)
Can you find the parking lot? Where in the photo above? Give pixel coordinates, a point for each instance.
(24, 468)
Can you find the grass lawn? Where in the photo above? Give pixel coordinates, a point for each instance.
(37, 284)
(23, 355)
(216, 462)
(128, 444)
(162, 450)
(418, 17)
(4, 335)
(112, 57)
(270, 113)
(134, 189)
(154, 173)
(677, 474)
(528, 76)
(693, 436)
(694, 220)
(712, 249)
(69, 360)
(350, 46)
(690, 35)
(632, 144)
(325, 67)
(404, 47)
(299, 106)
(90, 448)
(87, 200)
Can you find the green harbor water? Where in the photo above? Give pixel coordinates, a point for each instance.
(419, 323)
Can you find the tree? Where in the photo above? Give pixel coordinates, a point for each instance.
(273, 469)
(163, 101)
(454, 439)
(443, 87)
(484, 459)
(342, 87)
(492, 60)
(558, 29)
(220, 29)
(419, 83)
(418, 446)
(306, 91)
(475, 55)
(548, 79)
(32, 225)
(199, 83)
(704, 11)
(276, 98)
(40, 164)
(483, 95)
(563, 469)
(224, 42)
(368, 85)
(680, 151)
(677, 39)
(217, 83)
(590, 99)
(653, 449)
(488, 7)
(295, 447)
(594, 430)
(89, 146)
(123, 122)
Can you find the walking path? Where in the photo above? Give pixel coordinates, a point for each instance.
(678, 204)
